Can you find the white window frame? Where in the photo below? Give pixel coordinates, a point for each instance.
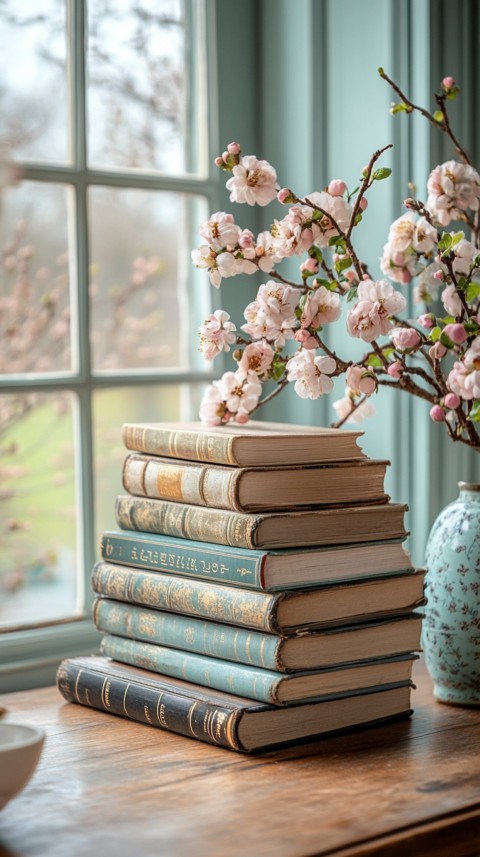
(29, 657)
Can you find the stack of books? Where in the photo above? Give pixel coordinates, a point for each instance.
(257, 591)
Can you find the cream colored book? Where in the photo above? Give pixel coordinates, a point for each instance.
(253, 445)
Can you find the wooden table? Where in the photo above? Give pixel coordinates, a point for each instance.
(106, 786)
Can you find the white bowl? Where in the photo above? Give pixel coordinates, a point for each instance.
(20, 748)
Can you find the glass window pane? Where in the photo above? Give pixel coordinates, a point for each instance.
(139, 269)
(33, 93)
(140, 107)
(37, 509)
(34, 280)
(116, 406)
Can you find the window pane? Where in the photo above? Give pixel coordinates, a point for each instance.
(37, 509)
(34, 280)
(139, 266)
(33, 100)
(140, 108)
(116, 406)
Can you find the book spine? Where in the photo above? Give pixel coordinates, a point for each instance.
(195, 718)
(219, 603)
(201, 485)
(199, 523)
(180, 443)
(244, 568)
(240, 679)
(187, 633)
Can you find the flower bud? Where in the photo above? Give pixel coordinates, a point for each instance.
(437, 414)
(285, 195)
(405, 338)
(448, 83)
(409, 202)
(427, 320)
(455, 332)
(233, 149)
(437, 351)
(438, 275)
(363, 203)
(395, 369)
(336, 187)
(452, 400)
(219, 162)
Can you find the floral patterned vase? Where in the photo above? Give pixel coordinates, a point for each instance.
(451, 628)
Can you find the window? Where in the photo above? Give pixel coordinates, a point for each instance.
(103, 108)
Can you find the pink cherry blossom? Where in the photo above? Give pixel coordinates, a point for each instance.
(220, 230)
(266, 252)
(239, 392)
(405, 338)
(361, 381)
(452, 400)
(212, 407)
(427, 320)
(337, 187)
(371, 316)
(453, 188)
(395, 370)
(306, 339)
(451, 301)
(437, 413)
(253, 182)
(294, 233)
(309, 266)
(256, 357)
(321, 307)
(337, 207)
(271, 315)
(345, 412)
(216, 334)
(397, 265)
(455, 332)
(437, 351)
(311, 374)
(464, 378)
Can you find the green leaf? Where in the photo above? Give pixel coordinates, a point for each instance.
(472, 292)
(373, 360)
(474, 414)
(351, 294)
(448, 319)
(438, 116)
(382, 173)
(462, 284)
(435, 334)
(471, 326)
(342, 265)
(457, 238)
(445, 242)
(338, 242)
(446, 341)
(401, 107)
(326, 283)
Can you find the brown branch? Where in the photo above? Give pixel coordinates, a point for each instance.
(366, 183)
(442, 126)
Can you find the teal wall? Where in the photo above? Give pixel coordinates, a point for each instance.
(317, 110)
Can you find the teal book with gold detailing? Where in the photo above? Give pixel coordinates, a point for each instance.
(307, 651)
(253, 569)
(280, 612)
(263, 685)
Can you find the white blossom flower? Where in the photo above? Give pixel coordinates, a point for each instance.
(216, 334)
(311, 373)
(346, 412)
(220, 231)
(321, 307)
(271, 315)
(253, 182)
(453, 188)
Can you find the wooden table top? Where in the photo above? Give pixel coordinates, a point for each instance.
(107, 786)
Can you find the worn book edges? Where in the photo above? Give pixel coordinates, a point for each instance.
(255, 444)
(253, 569)
(268, 530)
(359, 601)
(269, 686)
(305, 651)
(244, 489)
(218, 718)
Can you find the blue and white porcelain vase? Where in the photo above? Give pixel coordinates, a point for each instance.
(451, 628)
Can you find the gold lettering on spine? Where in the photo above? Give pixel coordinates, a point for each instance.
(168, 482)
(159, 700)
(190, 715)
(76, 691)
(125, 699)
(229, 732)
